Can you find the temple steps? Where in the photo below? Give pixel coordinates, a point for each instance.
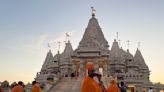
(67, 85)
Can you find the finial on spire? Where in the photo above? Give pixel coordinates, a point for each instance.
(67, 35)
(128, 42)
(119, 41)
(48, 45)
(93, 11)
(117, 36)
(139, 45)
(59, 46)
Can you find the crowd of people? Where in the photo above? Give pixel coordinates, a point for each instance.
(19, 87)
(91, 85)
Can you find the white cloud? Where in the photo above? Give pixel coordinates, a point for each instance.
(41, 39)
(53, 40)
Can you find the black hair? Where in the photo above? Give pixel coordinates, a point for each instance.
(122, 83)
(20, 83)
(34, 82)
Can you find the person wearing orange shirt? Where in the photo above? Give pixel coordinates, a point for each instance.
(19, 87)
(89, 84)
(35, 87)
(13, 87)
(1, 89)
(113, 87)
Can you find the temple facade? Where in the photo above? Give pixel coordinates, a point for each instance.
(131, 69)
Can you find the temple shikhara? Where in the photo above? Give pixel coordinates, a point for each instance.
(93, 47)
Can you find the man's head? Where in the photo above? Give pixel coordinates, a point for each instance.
(91, 73)
(90, 68)
(34, 82)
(122, 83)
(113, 81)
(20, 83)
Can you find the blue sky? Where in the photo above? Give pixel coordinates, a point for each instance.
(26, 26)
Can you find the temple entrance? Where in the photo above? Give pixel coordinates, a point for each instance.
(76, 68)
(131, 88)
(79, 66)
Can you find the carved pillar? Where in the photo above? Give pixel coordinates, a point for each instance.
(74, 67)
(139, 88)
(105, 70)
(82, 68)
(96, 66)
(157, 90)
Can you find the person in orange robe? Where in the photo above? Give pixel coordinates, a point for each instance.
(19, 87)
(13, 87)
(113, 87)
(35, 87)
(1, 89)
(89, 84)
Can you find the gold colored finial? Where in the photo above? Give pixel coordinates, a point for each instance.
(93, 11)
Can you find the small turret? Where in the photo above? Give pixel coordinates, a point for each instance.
(115, 50)
(117, 64)
(48, 61)
(143, 68)
(130, 63)
(65, 64)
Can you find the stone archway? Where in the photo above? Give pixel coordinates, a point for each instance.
(79, 65)
(76, 67)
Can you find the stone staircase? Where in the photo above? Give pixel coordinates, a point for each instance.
(72, 85)
(67, 85)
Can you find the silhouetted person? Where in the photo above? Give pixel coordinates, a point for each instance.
(72, 75)
(123, 87)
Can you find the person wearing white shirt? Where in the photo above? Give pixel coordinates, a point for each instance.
(150, 89)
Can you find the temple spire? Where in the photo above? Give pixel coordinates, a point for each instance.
(93, 11)
(93, 37)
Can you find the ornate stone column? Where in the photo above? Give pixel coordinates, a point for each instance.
(139, 88)
(73, 67)
(96, 66)
(157, 90)
(105, 70)
(82, 72)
